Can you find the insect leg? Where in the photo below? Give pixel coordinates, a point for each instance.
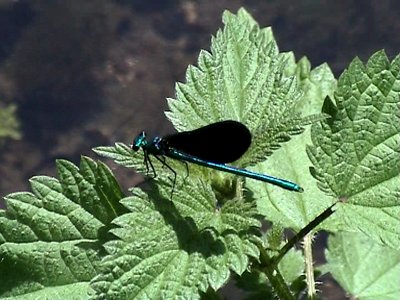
(187, 170)
(161, 159)
(148, 162)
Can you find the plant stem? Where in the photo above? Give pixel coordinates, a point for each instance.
(274, 276)
(302, 233)
(307, 246)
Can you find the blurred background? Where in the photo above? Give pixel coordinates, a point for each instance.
(79, 74)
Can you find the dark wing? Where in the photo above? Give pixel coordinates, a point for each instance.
(220, 142)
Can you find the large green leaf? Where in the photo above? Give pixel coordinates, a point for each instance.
(242, 79)
(73, 291)
(171, 250)
(356, 153)
(51, 237)
(365, 269)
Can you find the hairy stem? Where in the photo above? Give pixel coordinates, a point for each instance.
(274, 276)
(307, 247)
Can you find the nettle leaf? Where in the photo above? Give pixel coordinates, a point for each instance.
(292, 265)
(365, 269)
(295, 210)
(241, 78)
(73, 291)
(171, 250)
(9, 125)
(123, 155)
(51, 238)
(356, 153)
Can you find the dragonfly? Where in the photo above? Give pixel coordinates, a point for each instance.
(212, 146)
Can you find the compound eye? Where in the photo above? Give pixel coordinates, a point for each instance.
(139, 141)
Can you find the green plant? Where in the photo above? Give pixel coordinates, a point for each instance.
(81, 237)
(9, 126)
